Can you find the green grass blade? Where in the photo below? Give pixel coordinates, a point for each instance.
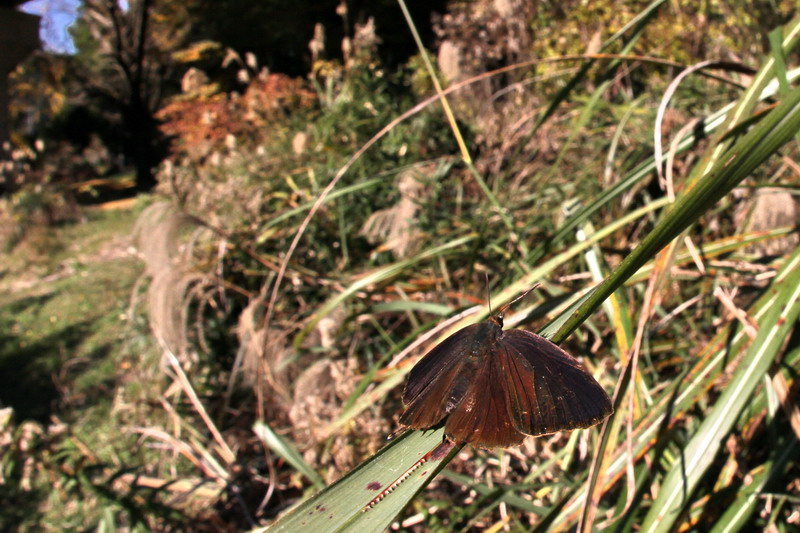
(288, 452)
(356, 187)
(401, 306)
(340, 507)
(775, 130)
(700, 452)
(378, 276)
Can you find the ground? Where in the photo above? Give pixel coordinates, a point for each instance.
(65, 293)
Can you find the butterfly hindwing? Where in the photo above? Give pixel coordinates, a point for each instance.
(550, 391)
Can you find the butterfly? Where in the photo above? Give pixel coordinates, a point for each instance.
(493, 387)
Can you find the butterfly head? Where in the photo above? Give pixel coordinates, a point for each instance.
(497, 318)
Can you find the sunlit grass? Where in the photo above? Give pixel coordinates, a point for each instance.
(566, 193)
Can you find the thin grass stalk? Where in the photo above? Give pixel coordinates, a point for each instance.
(700, 452)
(671, 406)
(435, 79)
(776, 129)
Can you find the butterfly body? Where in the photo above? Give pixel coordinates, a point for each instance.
(492, 387)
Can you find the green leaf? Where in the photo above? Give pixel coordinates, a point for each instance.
(377, 276)
(764, 140)
(343, 505)
(287, 451)
(700, 452)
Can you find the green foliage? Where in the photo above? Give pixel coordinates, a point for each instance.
(67, 348)
(265, 392)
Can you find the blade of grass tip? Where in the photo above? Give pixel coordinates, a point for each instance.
(608, 170)
(747, 103)
(288, 452)
(639, 20)
(616, 307)
(658, 151)
(777, 52)
(684, 131)
(399, 306)
(776, 45)
(681, 395)
(377, 276)
(343, 506)
(776, 129)
(700, 452)
(432, 73)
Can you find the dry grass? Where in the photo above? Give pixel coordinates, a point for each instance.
(371, 276)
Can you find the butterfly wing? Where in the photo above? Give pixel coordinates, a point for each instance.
(548, 388)
(484, 417)
(438, 382)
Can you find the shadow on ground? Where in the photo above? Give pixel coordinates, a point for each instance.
(30, 363)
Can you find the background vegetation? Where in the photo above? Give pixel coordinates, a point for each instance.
(231, 342)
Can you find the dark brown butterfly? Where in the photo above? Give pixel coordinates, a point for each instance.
(494, 387)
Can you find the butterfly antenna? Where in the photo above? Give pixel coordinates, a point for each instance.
(436, 454)
(518, 298)
(488, 292)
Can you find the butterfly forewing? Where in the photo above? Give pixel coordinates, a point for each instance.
(441, 395)
(438, 382)
(550, 391)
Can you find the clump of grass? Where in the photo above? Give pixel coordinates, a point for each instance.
(647, 274)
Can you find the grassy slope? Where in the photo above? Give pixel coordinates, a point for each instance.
(64, 337)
